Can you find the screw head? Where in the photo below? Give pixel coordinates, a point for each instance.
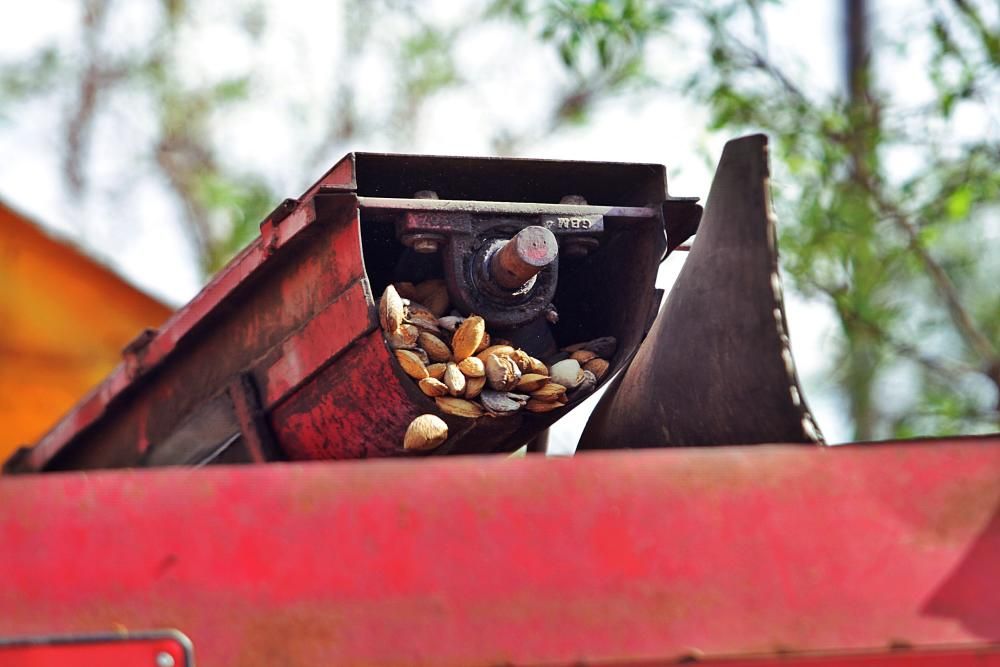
(164, 659)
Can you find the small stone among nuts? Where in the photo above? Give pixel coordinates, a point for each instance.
(499, 403)
(425, 432)
(566, 373)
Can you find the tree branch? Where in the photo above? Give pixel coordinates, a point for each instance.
(967, 329)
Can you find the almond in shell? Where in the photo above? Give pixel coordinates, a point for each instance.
(550, 392)
(436, 371)
(424, 433)
(535, 405)
(472, 367)
(403, 338)
(485, 344)
(390, 309)
(500, 350)
(583, 356)
(454, 380)
(435, 348)
(538, 367)
(458, 407)
(532, 382)
(411, 364)
(474, 386)
(436, 298)
(522, 359)
(468, 336)
(602, 347)
(432, 387)
(502, 374)
(597, 366)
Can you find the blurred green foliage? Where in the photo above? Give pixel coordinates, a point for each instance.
(897, 255)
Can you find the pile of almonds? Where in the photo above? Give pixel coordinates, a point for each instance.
(455, 361)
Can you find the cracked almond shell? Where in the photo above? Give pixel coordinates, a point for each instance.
(502, 374)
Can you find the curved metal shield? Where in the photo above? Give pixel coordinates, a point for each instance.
(716, 367)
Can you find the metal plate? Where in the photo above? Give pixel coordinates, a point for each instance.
(166, 648)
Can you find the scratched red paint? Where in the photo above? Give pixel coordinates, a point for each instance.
(481, 560)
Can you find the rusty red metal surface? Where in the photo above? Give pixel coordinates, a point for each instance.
(640, 557)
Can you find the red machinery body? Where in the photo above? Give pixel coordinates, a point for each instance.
(875, 554)
(773, 553)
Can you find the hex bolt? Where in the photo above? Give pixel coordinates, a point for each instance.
(164, 659)
(520, 259)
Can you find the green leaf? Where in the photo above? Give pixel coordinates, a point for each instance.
(959, 203)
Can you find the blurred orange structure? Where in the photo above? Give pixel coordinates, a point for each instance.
(64, 319)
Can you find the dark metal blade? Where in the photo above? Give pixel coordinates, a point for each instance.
(716, 367)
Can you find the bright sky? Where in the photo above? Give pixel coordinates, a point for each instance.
(131, 224)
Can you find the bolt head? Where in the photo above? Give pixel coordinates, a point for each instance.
(164, 659)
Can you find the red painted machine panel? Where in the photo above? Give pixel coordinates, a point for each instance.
(610, 558)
